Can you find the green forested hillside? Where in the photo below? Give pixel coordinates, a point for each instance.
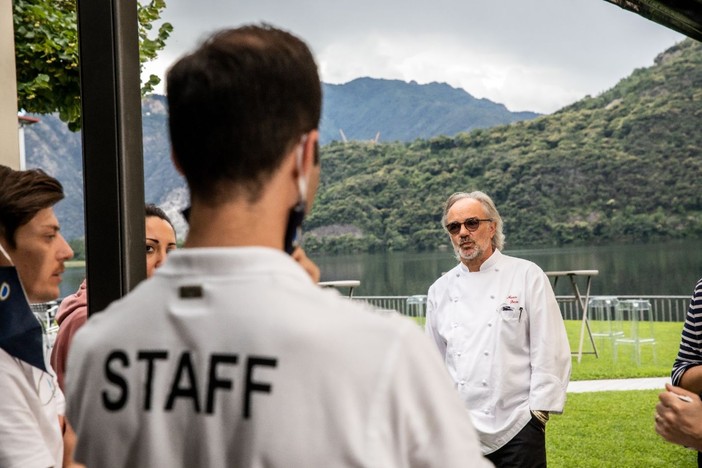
(622, 166)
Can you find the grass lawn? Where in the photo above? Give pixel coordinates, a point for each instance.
(611, 429)
(615, 429)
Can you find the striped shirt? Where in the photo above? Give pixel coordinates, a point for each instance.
(690, 353)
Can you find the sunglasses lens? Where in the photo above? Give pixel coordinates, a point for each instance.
(454, 228)
(472, 224)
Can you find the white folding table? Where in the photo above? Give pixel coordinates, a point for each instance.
(351, 284)
(581, 302)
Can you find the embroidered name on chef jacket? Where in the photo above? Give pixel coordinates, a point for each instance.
(185, 381)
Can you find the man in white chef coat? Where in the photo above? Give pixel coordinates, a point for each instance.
(496, 323)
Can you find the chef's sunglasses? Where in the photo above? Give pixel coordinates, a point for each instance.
(472, 224)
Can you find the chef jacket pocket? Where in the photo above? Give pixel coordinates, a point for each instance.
(510, 313)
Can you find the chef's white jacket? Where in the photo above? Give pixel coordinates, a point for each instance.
(502, 337)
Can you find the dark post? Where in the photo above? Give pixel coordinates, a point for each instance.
(113, 169)
(683, 16)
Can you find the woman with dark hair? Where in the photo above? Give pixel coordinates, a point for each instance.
(160, 238)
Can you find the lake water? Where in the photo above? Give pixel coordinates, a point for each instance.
(670, 268)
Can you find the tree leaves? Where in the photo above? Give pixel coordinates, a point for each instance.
(46, 54)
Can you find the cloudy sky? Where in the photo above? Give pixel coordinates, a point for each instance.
(537, 55)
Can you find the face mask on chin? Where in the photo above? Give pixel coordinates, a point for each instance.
(293, 229)
(21, 334)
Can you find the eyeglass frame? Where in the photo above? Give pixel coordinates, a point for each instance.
(472, 219)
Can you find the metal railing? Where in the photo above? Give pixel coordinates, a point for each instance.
(45, 313)
(664, 308)
(398, 303)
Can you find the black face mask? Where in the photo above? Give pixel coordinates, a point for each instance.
(293, 231)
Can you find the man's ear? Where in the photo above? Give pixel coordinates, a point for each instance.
(303, 158)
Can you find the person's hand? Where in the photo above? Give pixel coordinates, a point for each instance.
(69, 443)
(310, 267)
(679, 420)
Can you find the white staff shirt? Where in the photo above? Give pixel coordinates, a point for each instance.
(502, 337)
(233, 357)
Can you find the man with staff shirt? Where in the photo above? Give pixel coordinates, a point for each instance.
(230, 355)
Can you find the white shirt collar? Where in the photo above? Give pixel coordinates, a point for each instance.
(491, 261)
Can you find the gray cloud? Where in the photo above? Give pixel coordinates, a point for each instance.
(530, 55)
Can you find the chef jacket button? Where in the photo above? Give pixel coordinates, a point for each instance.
(492, 297)
(454, 324)
(489, 324)
(484, 383)
(455, 299)
(486, 353)
(461, 383)
(458, 354)
(486, 411)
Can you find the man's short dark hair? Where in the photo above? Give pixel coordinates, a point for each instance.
(22, 195)
(237, 105)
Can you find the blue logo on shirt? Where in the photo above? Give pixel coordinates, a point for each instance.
(4, 291)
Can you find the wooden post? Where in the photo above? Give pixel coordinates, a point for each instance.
(9, 129)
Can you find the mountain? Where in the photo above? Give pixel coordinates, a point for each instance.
(618, 167)
(400, 111)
